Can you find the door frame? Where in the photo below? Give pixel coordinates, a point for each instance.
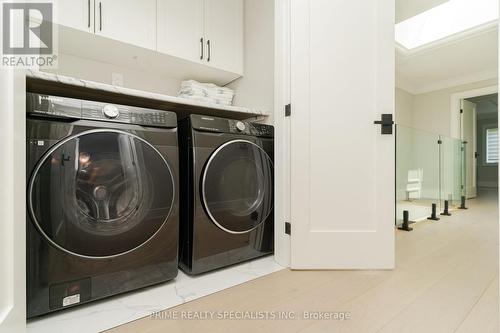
(13, 203)
(471, 192)
(455, 105)
(282, 131)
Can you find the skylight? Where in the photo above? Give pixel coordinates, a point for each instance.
(449, 18)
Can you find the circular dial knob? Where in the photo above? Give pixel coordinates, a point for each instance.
(240, 126)
(110, 111)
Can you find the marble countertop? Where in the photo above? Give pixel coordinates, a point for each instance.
(139, 93)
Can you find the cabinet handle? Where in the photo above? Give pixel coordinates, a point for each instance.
(202, 47)
(100, 16)
(209, 50)
(88, 3)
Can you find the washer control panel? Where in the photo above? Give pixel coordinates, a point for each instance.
(70, 108)
(223, 125)
(128, 114)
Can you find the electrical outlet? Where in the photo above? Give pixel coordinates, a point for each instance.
(117, 79)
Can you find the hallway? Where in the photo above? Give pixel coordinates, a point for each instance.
(446, 280)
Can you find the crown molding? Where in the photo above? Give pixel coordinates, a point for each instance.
(457, 81)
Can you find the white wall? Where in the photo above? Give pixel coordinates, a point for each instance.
(431, 111)
(256, 88)
(101, 72)
(404, 107)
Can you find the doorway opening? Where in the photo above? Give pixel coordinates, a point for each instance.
(479, 128)
(447, 149)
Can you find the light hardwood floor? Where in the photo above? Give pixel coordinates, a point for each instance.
(446, 281)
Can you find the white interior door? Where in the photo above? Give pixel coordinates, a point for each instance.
(129, 21)
(180, 29)
(342, 168)
(468, 125)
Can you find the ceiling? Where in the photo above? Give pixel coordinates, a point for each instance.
(464, 60)
(408, 8)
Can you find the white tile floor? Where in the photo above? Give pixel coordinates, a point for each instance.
(108, 313)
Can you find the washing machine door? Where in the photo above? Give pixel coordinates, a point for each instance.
(101, 193)
(237, 186)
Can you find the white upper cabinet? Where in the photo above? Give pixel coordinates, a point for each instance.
(203, 32)
(129, 21)
(206, 31)
(224, 34)
(180, 29)
(77, 14)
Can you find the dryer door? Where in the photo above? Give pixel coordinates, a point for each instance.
(101, 193)
(237, 186)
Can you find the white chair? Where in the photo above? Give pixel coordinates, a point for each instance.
(414, 184)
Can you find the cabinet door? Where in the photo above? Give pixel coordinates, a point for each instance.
(129, 21)
(224, 33)
(180, 29)
(77, 14)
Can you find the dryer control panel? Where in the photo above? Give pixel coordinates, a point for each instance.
(70, 108)
(223, 125)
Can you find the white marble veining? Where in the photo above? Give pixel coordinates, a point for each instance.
(118, 310)
(139, 93)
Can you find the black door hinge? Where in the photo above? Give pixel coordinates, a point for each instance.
(288, 110)
(440, 142)
(386, 123)
(461, 111)
(288, 228)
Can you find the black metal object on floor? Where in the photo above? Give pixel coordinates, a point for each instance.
(406, 222)
(446, 211)
(433, 216)
(462, 204)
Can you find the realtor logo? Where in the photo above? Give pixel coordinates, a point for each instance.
(28, 34)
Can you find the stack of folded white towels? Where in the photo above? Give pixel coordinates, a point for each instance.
(206, 92)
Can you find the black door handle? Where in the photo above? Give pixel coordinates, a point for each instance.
(100, 16)
(386, 123)
(202, 47)
(88, 3)
(209, 50)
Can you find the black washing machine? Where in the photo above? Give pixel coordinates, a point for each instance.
(227, 192)
(102, 200)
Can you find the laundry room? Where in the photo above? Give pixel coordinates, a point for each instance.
(249, 166)
(150, 159)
